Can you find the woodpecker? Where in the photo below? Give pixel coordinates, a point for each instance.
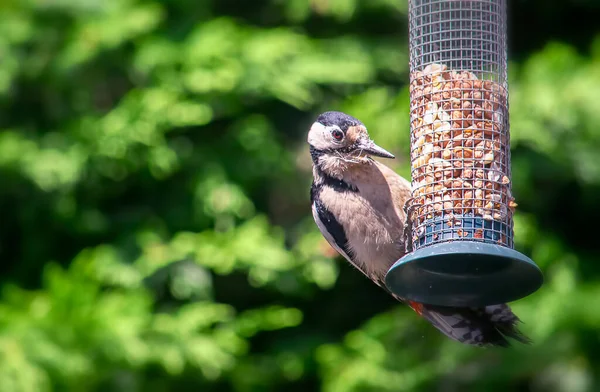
(358, 205)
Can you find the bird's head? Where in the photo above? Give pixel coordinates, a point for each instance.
(337, 139)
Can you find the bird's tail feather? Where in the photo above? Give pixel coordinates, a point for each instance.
(488, 326)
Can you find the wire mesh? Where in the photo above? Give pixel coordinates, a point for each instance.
(460, 142)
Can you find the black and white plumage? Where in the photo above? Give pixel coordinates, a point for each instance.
(358, 205)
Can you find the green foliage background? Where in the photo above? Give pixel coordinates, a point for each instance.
(156, 231)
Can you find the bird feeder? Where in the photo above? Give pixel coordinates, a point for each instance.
(461, 211)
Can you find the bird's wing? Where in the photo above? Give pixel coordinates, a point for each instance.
(334, 233)
(332, 230)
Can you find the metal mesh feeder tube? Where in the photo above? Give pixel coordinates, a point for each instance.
(461, 210)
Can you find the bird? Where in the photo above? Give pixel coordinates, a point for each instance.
(358, 204)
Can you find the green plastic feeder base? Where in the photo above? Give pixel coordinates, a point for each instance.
(464, 273)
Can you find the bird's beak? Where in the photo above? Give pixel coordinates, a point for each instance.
(371, 148)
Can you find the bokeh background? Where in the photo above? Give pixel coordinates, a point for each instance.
(156, 232)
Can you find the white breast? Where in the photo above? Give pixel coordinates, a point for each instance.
(373, 230)
(375, 245)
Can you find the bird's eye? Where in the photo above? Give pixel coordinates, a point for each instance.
(337, 134)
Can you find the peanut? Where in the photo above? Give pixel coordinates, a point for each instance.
(458, 153)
